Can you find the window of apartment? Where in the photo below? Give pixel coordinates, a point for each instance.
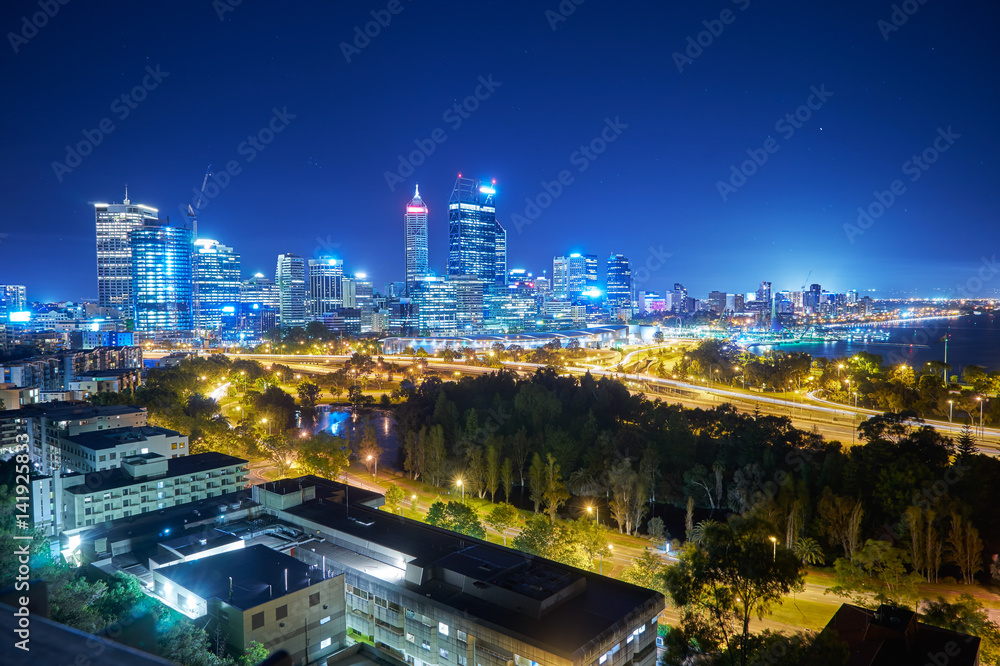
(443, 653)
(314, 599)
(410, 638)
(325, 643)
(426, 645)
(173, 446)
(107, 495)
(257, 621)
(88, 500)
(107, 506)
(461, 635)
(182, 445)
(379, 601)
(88, 511)
(111, 456)
(462, 660)
(631, 637)
(409, 614)
(281, 612)
(159, 484)
(102, 459)
(442, 628)
(325, 620)
(128, 513)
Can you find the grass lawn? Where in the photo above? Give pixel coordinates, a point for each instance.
(802, 613)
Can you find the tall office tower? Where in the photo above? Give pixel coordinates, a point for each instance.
(415, 225)
(543, 286)
(472, 230)
(435, 302)
(560, 276)
(717, 301)
(325, 288)
(680, 298)
(114, 222)
(216, 283)
(501, 241)
(469, 302)
(763, 294)
(574, 275)
(13, 298)
(364, 295)
(815, 297)
(161, 276)
(619, 289)
(348, 292)
(262, 291)
(290, 276)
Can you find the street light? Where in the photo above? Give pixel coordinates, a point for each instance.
(591, 509)
(369, 459)
(264, 420)
(462, 487)
(982, 431)
(774, 549)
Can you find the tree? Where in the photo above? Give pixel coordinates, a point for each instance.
(656, 530)
(536, 480)
(458, 517)
(876, 576)
(323, 455)
(592, 538)
(731, 576)
(646, 571)
(394, 496)
(502, 518)
(308, 393)
(966, 615)
(506, 478)
(841, 520)
(492, 471)
(808, 551)
(554, 493)
(255, 652)
(965, 548)
(627, 497)
(369, 449)
(965, 445)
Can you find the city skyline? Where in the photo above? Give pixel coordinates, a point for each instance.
(666, 131)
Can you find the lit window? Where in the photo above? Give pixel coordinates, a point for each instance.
(603, 659)
(325, 643)
(410, 638)
(461, 635)
(442, 628)
(443, 653)
(631, 637)
(325, 620)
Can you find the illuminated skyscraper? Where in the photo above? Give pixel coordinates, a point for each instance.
(619, 290)
(114, 222)
(13, 298)
(501, 245)
(473, 231)
(290, 276)
(574, 275)
(262, 291)
(415, 225)
(161, 276)
(216, 271)
(326, 294)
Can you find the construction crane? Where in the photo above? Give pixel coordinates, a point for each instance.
(192, 215)
(803, 286)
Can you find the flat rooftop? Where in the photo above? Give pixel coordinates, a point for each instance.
(593, 606)
(98, 440)
(110, 479)
(257, 572)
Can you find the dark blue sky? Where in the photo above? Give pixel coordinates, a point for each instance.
(321, 181)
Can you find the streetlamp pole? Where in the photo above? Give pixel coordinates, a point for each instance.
(951, 410)
(774, 549)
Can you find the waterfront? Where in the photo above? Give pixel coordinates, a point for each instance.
(975, 340)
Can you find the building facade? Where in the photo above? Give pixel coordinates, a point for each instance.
(619, 283)
(325, 288)
(290, 277)
(216, 283)
(415, 238)
(161, 277)
(114, 224)
(473, 230)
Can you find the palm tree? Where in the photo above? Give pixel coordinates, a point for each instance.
(808, 551)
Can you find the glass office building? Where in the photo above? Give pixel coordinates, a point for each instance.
(114, 223)
(161, 276)
(217, 285)
(473, 230)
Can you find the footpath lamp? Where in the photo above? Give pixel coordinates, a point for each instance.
(462, 488)
(370, 458)
(774, 548)
(596, 512)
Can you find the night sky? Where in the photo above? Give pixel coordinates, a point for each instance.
(320, 187)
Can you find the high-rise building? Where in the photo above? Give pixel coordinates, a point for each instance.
(501, 241)
(473, 230)
(260, 290)
(161, 276)
(325, 288)
(290, 277)
(764, 294)
(217, 285)
(364, 299)
(469, 302)
(574, 275)
(436, 304)
(680, 299)
(114, 223)
(13, 298)
(717, 301)
(415, 225)
(619, 290)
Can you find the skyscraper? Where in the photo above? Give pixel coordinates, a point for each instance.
(216, 278)
(161, 276)
(574, 275)
(13, 298)
(290, 277)
(473, 230)
(113, 224)
(262, 291)
(501, 245)
(619, 289)
(415, 226)
(325, 290)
